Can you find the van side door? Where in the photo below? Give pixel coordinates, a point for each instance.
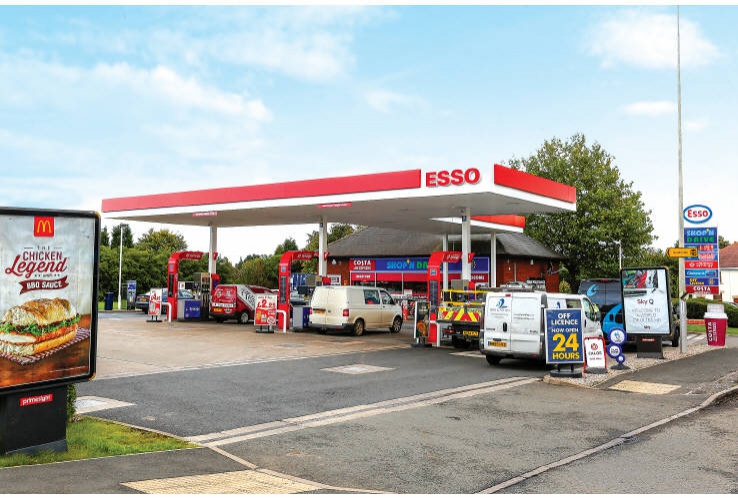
(372, 309)
(389, 309)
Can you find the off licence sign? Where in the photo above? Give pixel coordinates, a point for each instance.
(564, 336)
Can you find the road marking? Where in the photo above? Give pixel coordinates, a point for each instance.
(356, 369)
(238, 482)
(644, 387)
(355, 412)
(236, 363)
(88, 404)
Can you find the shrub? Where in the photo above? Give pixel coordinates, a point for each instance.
(696, 308)
(71, 398)
(564, 287)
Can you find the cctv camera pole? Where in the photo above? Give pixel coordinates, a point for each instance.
(682, 278)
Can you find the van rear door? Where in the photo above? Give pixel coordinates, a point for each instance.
(318, 305)
(497, 317)
(526, 325)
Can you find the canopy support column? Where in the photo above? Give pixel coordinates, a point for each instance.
(466, 245)
(493, 260)
(212, 251)
(322, 247)
(445, 265)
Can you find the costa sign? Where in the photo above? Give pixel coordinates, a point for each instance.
(697, 213)
(456, 177)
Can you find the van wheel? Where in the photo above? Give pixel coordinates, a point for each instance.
(396, 325)
(359, 328)
(493, 360)
(243, 317)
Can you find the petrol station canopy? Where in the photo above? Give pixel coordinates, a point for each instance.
(425, 201)
(446, 202)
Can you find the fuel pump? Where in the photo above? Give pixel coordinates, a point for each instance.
(202, 292)
(173, 278)
(285, 268)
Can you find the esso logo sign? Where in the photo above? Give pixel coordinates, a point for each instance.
(697, 213)
(454, 177)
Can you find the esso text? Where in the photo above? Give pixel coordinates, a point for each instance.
(697, 213)
(454, 177)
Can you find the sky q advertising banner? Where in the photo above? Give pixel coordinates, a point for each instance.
(646, 300)
(48, 298)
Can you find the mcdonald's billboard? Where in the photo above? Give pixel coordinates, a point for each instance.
(48, 297)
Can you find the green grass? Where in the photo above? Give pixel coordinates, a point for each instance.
(123, 304)
(93, 438)
(701, 328)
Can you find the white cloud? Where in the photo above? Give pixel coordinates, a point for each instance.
(649, 40)
(696, 124)
(386, 101)
(651, 109)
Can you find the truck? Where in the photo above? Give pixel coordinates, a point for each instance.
(235, 302)
(460, 315)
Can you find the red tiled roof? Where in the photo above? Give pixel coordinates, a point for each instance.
(729, 256)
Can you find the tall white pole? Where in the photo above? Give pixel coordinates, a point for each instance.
(120, 264)
(682, 279)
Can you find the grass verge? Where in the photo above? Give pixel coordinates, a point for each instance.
(89, 437)
(701, 328)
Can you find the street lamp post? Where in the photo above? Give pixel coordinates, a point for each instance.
(120, 265)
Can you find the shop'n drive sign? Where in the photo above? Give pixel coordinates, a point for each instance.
(455, 177)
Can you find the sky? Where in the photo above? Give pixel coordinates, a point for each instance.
(110, 101)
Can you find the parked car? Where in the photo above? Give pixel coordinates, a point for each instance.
(142, 300)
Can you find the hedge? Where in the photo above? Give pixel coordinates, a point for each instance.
(696, 309)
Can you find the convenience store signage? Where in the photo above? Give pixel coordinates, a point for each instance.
(479, 265)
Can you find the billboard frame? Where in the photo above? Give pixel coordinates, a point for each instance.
(94, 268)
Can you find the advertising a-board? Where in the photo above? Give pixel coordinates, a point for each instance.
(646, 301)
(48, 297)
(266, 309)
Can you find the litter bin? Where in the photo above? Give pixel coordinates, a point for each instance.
(108, 301)
(716, 325)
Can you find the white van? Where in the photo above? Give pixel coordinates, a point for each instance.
(354, 308)
(514, 323)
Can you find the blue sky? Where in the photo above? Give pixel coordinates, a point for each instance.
(101, 102)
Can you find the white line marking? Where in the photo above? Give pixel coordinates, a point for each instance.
(355, 412)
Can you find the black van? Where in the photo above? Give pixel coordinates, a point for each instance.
(606, 293)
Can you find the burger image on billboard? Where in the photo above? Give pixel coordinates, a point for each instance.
(37, 326)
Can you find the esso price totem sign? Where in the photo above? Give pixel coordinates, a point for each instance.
(697, 213)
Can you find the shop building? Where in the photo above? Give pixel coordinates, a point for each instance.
(398, 260)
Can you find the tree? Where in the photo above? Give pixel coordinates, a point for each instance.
(289, 244)
(722, 242)
(104, 237)
(161, 241)
(127, 236)
(336, 232)
(608, 209)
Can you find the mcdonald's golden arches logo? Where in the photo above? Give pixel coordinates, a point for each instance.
(43, 226)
